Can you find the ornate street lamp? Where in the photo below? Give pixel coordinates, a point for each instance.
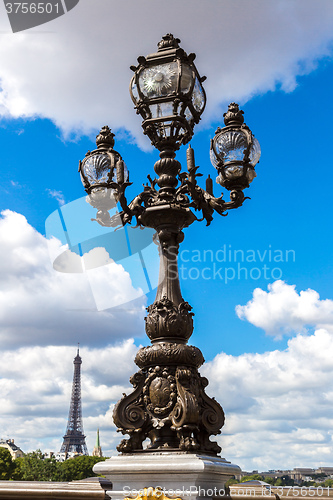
(169, 405)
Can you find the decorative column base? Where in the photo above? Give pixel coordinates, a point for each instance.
(177, 475)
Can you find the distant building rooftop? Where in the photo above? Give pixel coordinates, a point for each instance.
(14, 450)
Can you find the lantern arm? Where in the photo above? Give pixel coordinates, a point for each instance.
(104, 219)
(188, 195)
(134, 209)
(139, 204)
(212, 204)
(119, 218)
(203, 200)
(119, 194)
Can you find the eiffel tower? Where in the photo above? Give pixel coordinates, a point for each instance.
(74, 439)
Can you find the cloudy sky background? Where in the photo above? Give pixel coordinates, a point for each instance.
(268, 341)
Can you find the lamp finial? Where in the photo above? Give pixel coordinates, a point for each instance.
(168, 41)
(105, 138)
(234, 115)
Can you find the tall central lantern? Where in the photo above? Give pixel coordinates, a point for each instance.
(167, 92)
(168, 418)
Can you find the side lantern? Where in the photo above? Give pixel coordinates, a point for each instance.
(234, 151)
(101, 169)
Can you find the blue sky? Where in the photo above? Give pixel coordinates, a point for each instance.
(285, 205)
(275, 350)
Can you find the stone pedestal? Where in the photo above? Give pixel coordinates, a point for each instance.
(177, 474)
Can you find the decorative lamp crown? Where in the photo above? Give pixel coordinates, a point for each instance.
(234, 151)
(167, 92)
(168, 41)
(234, 115)
(105, 138)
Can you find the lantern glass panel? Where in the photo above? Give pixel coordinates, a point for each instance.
(134, 89)
(198, 96)
(164, 129)
(187, 78)
(163, 109)
(188, 115)
(126, 173)
(181, 132)
(169, 128)
(96, 169)
(159, 81)
(213, 158)
(255, 152)
(230, 146)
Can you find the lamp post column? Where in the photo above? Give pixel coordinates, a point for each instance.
(175, 413)
(168, 405)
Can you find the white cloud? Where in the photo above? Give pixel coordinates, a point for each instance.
(283, 310)
(74, 70)
(58, 195)
(39, 306)
(35, 391)
(278, 404)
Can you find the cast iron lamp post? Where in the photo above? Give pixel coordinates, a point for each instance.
(169, 404)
